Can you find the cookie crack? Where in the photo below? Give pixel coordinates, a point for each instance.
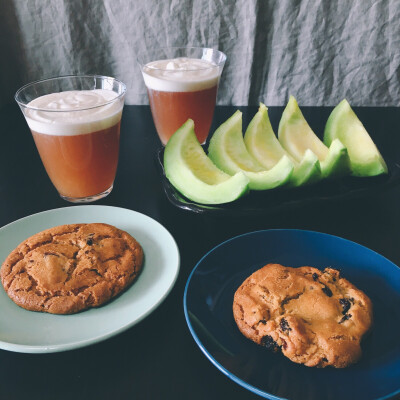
(112, 258)
(337, 337)
(36, 245)
(287, 299)
(99, 238)
(254, 327)
(265, 293)
(56, 235)
(70, 272)
(44, 304)
(241, 311)
(32, 280)
(96, 271)
(124, 275)
(77, 291)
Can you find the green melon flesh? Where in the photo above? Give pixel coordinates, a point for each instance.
(260, 140)
(365, 158)
(337, 162)
(228, 151)
(262, 144)
(307, 172)
(193, 174)
(297, 137)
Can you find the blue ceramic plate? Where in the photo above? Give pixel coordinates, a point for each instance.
(208, 310)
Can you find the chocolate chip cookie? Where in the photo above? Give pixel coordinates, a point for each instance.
(316, 318)
(70, 268)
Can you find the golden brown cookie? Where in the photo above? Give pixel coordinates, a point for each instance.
(70, 268)
(316, 318)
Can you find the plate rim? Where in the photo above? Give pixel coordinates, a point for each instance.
(35, 349)
(202, 347)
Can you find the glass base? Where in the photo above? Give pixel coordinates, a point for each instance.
(88, 199)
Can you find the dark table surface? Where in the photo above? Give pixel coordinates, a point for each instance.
(157, 358)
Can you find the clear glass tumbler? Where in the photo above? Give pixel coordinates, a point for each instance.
(182, 83)
(75, 123)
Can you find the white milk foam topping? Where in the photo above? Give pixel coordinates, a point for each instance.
(181, 75)
(70, 113)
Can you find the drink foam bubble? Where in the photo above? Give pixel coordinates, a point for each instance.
(74, 112)
(181, 75)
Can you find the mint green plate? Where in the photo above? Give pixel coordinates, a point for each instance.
(34, 332)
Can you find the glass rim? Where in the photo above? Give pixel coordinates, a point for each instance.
(216, 65)
(24, 105)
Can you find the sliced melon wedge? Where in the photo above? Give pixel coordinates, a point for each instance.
(260, 140)
(193, 174)
(262, 144)
(307, 172)
(337, 162)
(343, 124)
(228, 151)
(297, 137)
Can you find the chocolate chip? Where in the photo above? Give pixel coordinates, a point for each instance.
(315, 276)
(284, 325)
(269, 343)
(327, 291)
(324, 359)
(262, 321)
(345, 318)
(345, 304)
(89, 242)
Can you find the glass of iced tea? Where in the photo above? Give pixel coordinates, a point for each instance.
(75, 123)
(182, 83)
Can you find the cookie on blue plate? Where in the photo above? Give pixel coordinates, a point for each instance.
(316, 318)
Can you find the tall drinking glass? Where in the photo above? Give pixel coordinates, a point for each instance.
(75, 123)
(182, 83)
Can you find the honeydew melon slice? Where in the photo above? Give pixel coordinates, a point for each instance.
(343, 124)
(297, 137)
(337, 162)
(307, 172)
(262, 144)
(193, 174)
(228, 151)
